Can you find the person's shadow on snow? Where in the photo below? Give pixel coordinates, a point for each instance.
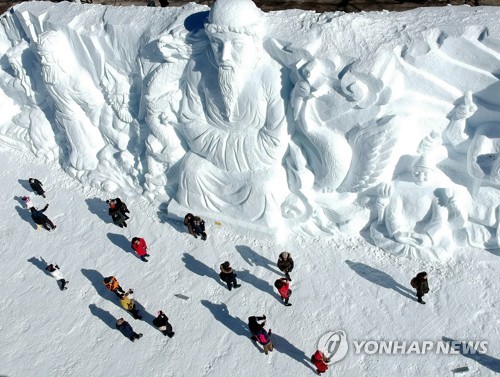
(96, 279)
(103, 315)
(26, 216)
(99, 208)
(25, 184)
(284, 346)
(199, 268)
(262, 285)
(486, 361)
(146, 316)
(380, 278)
(255, 259)
(121, 241)
(40, 263)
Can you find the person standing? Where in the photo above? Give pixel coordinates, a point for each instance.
(140, 247)
(421, 284)
(112, 284)
(285, 264)
(127, 330)
(320, 361)
(228, 276)
(195, 225)
(116, 213)
(128, 303)
(36, 186)
(122, 207)
(254, 326)
(161, 322)
(27, 202)
(264, 338)
(283, 286)
(40, 218)
(54, 270)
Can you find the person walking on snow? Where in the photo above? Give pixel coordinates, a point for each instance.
(127, 330)
(228, 276)
(36, 186)
(116, 213)
(283, 286)
(39, 218)
(320, 361)
(195, 225)
(54, 270)
(27, 202)
(264, 338)
(254, 326)
(128, 303)
(161, 322)
(421, 284)
(285, 264)
(140, 247)
(112, 284)
(123, 207)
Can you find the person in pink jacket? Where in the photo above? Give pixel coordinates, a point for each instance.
(140, 247)
(283, 286)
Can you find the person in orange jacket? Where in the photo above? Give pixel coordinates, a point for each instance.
(112, 284)
(140, 247)
(320, 362)
(283, 286)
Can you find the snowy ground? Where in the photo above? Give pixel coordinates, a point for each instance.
(339, 284)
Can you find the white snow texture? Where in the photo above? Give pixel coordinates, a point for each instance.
(369, 136)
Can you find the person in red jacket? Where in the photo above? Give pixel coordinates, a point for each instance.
(283, 286)
(140, 247)
(320, 362)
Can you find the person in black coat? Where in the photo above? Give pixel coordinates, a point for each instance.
(254, 326)
(117, 214)
(195, 225)
(421, 284)
(163, 325)
(36, 186)
(285, 264)
(228, 276)
(39, 218)
(127, 330)
(123, 207)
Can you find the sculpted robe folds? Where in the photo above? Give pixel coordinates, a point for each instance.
(234, 165)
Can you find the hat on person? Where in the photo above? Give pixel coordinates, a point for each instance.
(225, 264)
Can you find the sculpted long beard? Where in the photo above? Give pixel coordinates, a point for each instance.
(228, 83)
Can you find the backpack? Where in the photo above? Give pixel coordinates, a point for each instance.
(278, 283)
(413, 283)
(262, 337)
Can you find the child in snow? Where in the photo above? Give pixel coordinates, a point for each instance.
(40, 219)
(127, 330)
(264, 338)
(56, 273)
(140, 247)
(112, 284)
(228, 276)
(421, 284)
(195, 225)
(163, 325)
(116, 213)
(36, 186)
(320, 361)
(128, 303)
(283, 286)
(27, 202)
(285, 264)
(254, 326)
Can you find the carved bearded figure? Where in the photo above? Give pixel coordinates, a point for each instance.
(233, 119)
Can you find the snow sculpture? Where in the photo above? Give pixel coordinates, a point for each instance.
(77, 101)
(233, 119)
(455, 132)
(419, 214)
(163, 96)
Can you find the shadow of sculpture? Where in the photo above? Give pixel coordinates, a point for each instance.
(380, 278)
(486, 361)
(103, 315)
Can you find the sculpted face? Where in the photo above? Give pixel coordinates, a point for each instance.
(421, 175)
(233, 50)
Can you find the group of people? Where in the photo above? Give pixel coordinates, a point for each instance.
(196, 227)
